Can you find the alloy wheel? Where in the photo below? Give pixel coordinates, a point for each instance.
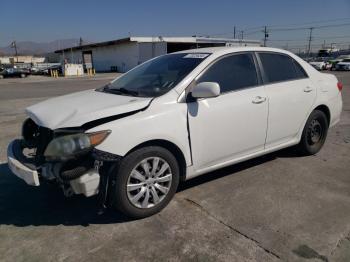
(149, 182)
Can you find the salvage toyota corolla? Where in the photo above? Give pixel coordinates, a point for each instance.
(172, 118)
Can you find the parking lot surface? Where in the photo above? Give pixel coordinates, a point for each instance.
(279, 207)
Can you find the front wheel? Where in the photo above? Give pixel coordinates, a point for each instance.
(314, 133)
(146, 182)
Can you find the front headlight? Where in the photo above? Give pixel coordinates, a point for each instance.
(66, 147)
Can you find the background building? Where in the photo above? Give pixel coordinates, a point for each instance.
(27, 59)
(123, 54)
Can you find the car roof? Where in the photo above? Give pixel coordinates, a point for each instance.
(232, 49)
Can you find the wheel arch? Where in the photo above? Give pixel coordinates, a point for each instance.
(173, 148)
(323, 108)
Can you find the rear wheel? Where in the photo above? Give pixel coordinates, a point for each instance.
(23, 75)
(314, 133)
(146, 181)
(1, 76)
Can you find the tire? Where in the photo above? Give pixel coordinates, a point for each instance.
(314, 133)
(22, 75)
(1, 77)
(123, 199)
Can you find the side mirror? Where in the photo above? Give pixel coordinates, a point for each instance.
(206, 90)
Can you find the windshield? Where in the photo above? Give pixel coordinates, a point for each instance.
(157, 76)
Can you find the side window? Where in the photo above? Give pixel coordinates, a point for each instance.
(299, 70)
(279, 67)
(232, 73)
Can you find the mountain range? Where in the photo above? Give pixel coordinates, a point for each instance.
(35, 48)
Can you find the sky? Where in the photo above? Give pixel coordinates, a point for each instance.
(44, 20)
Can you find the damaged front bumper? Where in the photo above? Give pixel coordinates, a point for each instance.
(86, 182)
(20, 165)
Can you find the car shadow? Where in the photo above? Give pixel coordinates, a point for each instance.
(22, 205)
(223, 172)
(230, 170)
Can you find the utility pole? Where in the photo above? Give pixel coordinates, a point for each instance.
(14, 45)
(234, 32)
(310, 39)
(71, 55)
(242, 34)
(287, 46)
(266, 35)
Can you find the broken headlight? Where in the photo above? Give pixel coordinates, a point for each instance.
(66, 147)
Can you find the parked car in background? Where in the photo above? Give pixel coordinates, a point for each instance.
(173, 118)
(344, 65)
(46, 70)
(335, 61)
(319, 64)
(14, 72)
(57, 68)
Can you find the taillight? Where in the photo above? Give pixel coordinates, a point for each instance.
(340, 86)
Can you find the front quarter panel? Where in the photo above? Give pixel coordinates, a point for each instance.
(162, 120)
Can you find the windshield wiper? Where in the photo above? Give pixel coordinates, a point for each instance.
(120, 91)
(127, 91)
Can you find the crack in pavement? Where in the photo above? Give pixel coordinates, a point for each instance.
(340, 241)
(194, 203)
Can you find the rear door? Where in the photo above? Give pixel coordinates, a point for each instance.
(291, 95)
(233, 124)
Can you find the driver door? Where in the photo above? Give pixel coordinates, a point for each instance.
(234, 124)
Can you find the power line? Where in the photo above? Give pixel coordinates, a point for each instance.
(296, 24)
(254, 32)
(318, 45)
(313, 22)
(287, 40)
(248, 31)
(331, 37)
(307, 28)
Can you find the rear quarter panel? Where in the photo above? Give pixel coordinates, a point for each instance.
(329, 95)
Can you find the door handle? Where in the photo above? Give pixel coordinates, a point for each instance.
(259, 100)
(308, 89)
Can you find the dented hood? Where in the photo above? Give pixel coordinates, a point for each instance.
(76, 109)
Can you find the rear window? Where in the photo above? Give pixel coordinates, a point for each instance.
(279, 67)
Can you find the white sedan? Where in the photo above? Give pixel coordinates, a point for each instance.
(173, 118)
(319, 64)
(343, 65)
